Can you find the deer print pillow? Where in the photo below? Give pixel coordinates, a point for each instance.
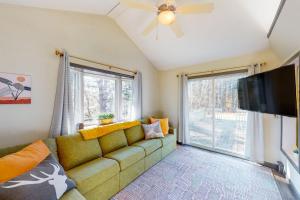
(47, 181)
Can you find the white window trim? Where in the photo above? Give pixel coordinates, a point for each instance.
(213, 147)
(118, 98)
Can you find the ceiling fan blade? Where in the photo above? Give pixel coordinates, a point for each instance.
(196, 8)
(137, 5)
(176, 29)
(153, 24)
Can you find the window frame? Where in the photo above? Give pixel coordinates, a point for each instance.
(213, 77)
(111, 75)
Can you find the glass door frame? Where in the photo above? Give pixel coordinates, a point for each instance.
(213, 148)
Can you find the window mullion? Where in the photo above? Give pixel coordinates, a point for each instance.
(213, 112)
(118, 98)
(82, 95)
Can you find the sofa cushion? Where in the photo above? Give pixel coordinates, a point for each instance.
(73, 150)
(152, 130)
(164, 123)
(73, 194)
(170, 138)
(127, 156)
(21, 162)
(50, 142)
(149, 145)
(93, 173)
(113, 141)
(134, 134)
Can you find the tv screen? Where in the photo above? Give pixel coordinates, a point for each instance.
(272, 92)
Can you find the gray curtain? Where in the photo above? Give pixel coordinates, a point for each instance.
(63, 113)
(137, 96)
(76, 80)
(183, 116)
(255, 130)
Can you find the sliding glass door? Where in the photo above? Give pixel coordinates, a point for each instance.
(215, 122)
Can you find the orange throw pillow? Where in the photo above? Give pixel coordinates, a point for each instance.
(164, 123)
(16, 164)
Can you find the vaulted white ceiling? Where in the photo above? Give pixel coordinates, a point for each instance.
(234, 28)
(100, 7)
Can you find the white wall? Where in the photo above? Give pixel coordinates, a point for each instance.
(285, 41)
(28, 38)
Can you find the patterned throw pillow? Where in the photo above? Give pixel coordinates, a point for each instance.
(164, 124)
(152, 130)
(47, 181)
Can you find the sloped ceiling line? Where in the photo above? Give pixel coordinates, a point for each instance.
(280, 8)
(233, 29)
(113, 8)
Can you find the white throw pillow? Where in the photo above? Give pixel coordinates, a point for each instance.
(153, 130)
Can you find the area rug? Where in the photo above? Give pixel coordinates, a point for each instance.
(193, 174)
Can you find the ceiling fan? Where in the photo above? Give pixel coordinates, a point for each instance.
(166, 13)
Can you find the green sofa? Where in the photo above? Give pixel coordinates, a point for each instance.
(104, 166)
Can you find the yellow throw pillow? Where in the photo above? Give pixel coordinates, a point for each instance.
(164, 123)
(16, 164)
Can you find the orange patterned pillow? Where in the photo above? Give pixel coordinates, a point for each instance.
(15, 164)
(164, 123)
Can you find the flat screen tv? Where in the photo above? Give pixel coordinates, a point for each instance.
(272, 92)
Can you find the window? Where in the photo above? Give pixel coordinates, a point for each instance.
(215, 122)
(127, 99)
(105, 93)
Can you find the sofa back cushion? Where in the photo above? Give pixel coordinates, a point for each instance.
(50, 142)
(134, 134)
(113, 141)
(73, 150)
(15, 164)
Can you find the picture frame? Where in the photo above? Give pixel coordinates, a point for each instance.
(15, 88)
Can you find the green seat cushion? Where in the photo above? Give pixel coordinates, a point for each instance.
(127, 156)
(50, 142)
(170, 138)
(113, 141)
(93, 173)
(73, 194)
(149, 145)
(134, 134)
(73, 150)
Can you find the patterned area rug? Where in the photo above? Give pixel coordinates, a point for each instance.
(190, 173)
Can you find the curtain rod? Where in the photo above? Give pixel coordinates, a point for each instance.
(220, 70)
(59, 53)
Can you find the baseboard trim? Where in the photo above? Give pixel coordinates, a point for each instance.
(293, 189)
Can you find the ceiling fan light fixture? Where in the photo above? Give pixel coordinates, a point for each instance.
(166, 17)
